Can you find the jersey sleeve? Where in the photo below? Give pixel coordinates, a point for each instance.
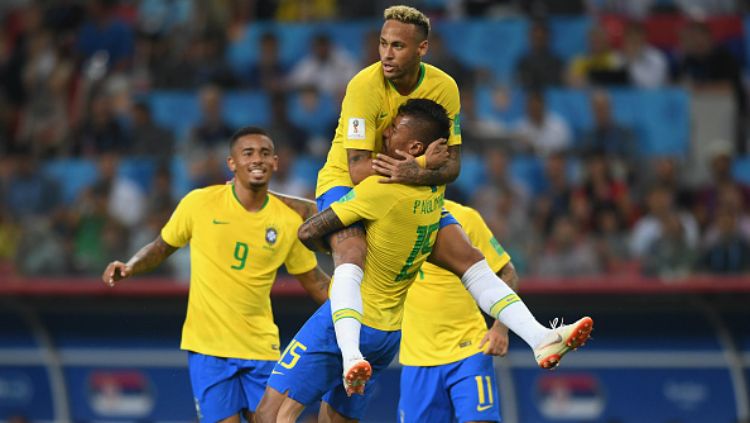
(359, 113)
(300, 259)
(453, 107)
(179, 229)
(369, 200)
(482, 238)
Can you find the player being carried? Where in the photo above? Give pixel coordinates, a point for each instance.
(401, 222)
(372, 99)
(239, 236)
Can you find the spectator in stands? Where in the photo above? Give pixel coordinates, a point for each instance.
(610, 239)
(539, 68)
(100, 131)
(284, 180)
(499, 182)
(602, 65)
(370, 48)
(438, 55)
(542, 131)
(126, 202)
(707, 198)
(554, 199)
(105, 31)
(705, 66)
(268, 73)
(10, 238)
(600, 185)
(649, 228)
(47, 76)
(480, 132)
(316, 112)
(97, 237)
(29, 191)
(729, 250)
(664, 170)
(647, 66)
(328, 68)
(615, 142)
(670, 254)
(212, 130)
(201, 63)
(41, 250)
(568, 253)
(282, 129)
(149, 139)
(305, 10)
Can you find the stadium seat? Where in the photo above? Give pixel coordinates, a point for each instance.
(741, 169)
(246, 108)
(319, 121)
(140, 170)
(77, 174)
(177, 111)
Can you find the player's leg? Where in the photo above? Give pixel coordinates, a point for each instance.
(453, 251)
(473, 389)
(328, 415)
(424, 395)
(380, 347)
(253, 376)
(309, 367)
(349, 248)
(217, 390)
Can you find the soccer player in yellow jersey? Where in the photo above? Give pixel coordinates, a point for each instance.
(447, 371)
(239, 236)
(401, 223)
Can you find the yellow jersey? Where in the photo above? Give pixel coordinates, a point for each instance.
(442, 323)
(401, 223)
(370, 104)
(234, 256)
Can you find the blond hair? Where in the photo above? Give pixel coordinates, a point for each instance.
(408, 15)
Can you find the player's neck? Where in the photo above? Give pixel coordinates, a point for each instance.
(409, 82)
(253, 199)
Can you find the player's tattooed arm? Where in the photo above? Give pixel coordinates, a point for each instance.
(316, 284)
(146, 259)
(508, 275)
(303, 206)
(360, 165)
(407, 171)
(314, 231)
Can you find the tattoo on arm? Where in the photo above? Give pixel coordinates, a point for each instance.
(443, 175)
(509, 275)
(313, 232)
(316, 284)
(150, 256)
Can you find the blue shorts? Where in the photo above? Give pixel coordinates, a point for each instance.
(466, 389)
(223, 387)
(310, 368)
(334, 194)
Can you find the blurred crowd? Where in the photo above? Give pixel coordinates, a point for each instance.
(73, 76)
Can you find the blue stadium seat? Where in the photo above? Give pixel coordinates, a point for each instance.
(306, 168)
(574, 106)
(181, 183)
(74, 174)
(741, 169)
(529, 171)
(487, 109)
(472, 174)
(177, 111)
(569, 35)
(246, 108)
(747, 44)
(140, 170)
(319, 121)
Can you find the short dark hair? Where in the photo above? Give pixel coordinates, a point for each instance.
(247, 130)
(433, 119)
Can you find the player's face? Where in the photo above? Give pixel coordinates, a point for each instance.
(253, 160)
(399, 136)
(401, 49)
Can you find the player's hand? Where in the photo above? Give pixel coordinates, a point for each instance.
(437, 154)
(496, 340)
(114, 272)
(396, 171)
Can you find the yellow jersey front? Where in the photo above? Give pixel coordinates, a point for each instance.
(370, 104)
(234, 256)
(442, 323)
(401, 223)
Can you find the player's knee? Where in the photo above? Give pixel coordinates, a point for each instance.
(269, 405)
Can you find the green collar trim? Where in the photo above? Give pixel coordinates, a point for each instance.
(419, 81)
(234, 193)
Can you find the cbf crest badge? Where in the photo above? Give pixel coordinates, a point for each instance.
(271, 235)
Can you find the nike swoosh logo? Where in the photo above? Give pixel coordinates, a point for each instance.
(556, 341)
(219, 222)
(274, 372)
(484, 407)
(382, 115)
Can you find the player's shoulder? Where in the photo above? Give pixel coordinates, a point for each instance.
(370, 76)
(438, 76)
(205, 194)
(283, 211)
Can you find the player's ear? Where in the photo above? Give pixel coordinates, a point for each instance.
(416, 148)
(230, 163)
(275, 162)
(422, 48)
